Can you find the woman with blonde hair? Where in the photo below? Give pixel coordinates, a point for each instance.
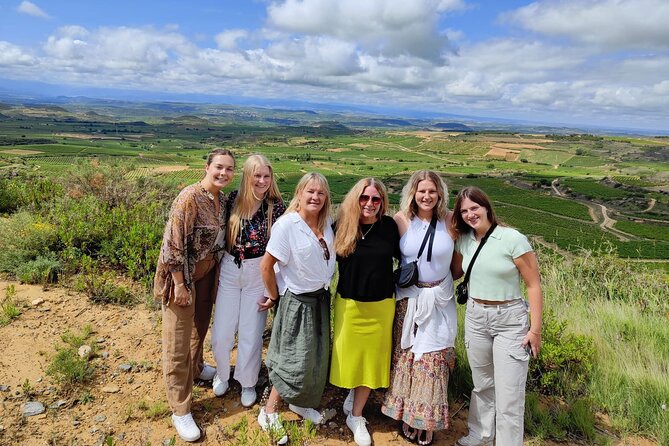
(425, 318)
(301, 250)
(366, 241)
(185, 284)
(253, 209)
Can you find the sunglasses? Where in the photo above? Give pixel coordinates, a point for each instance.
(326, 251)
(365, 198)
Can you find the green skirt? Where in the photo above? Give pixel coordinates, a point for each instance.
(362, 344)
(297, 357)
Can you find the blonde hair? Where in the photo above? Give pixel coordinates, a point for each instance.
(294, 205)
(348, 216)
(242, 208)
(408, 204)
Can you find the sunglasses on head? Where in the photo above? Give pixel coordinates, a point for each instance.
(365, 198)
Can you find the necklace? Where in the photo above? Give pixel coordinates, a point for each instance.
(367, 231)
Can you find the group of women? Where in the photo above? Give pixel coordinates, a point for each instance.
(385, 337)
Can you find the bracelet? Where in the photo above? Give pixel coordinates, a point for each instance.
(273, 300)
(178, 284)
(535, 333)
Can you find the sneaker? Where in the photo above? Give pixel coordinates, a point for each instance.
(208, 372)
(186, 427)
(348, 403)
(218, 386)
(270, 423)
(470, 441)
(308, 413)
(358, 427)
(249, 396)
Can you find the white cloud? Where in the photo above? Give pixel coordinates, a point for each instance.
(11, 55)
(227, 40)
(616, 24)
(26, 7)
(387, 27)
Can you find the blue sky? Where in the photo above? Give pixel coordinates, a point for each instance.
(602, 62)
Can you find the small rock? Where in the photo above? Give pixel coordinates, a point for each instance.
(105, 354)
(37, 302)
(58, 404)
(39, 379)
(332, 425)
(101, 340)
(33, 408)
(76, 423)
(111, 389)
(125, 367)
(130, 379)
(94, 430)
(121, 436)
(100, 418)
(84, 351)
(167, 442)
(4, 388)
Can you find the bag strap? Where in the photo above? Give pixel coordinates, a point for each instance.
(428, 235)
(481, 243)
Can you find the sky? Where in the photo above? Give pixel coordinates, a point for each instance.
(599, 62)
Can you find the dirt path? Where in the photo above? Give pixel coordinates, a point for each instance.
(651, 205)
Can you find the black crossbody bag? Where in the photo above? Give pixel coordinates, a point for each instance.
(407, 275)
(462, 290)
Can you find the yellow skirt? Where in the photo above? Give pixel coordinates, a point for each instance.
(362, 344)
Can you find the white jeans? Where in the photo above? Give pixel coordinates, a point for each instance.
(236, 312)
(493, 336)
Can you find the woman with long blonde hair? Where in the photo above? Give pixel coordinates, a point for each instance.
(301, 249)
(425, 318)
(253, 209)
(366, 241)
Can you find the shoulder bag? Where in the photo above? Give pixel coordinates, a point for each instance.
(462, 290)
(407, 275)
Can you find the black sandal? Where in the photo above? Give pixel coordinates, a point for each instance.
(408, 432)
(423, 437)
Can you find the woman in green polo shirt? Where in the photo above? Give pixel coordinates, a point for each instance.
(499, 336)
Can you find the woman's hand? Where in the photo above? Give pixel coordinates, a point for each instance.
(182, 295)
(533, 340)
(267, 304)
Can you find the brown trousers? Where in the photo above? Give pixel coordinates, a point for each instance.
(184, 331)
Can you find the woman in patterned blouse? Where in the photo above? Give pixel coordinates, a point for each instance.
(254, 208)
(185, 283)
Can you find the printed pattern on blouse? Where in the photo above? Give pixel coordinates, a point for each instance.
(254, 233)
(194, 230)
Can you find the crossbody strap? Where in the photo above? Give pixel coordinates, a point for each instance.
(428, 235)
(483, 240)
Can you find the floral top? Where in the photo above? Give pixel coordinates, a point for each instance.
(193, 232)
(253, 234)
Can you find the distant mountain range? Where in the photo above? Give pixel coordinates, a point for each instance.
(280, 113)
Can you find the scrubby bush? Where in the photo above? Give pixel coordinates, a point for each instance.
(42, 270)
(25, 237)
(67, 367)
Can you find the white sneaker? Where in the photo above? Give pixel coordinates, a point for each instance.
(218, 386)
(208, 372)
(249, 396)
(186, 427)
(270, 423)
(308, 413)
(348, 402)
(470, 441)
(358, 427)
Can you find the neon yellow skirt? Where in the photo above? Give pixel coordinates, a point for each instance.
(362, 344)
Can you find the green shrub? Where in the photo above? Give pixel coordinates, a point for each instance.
(10, 308)
(66, 367)
(42, 270)
(565, 362)
(25, 237)
(101, 288)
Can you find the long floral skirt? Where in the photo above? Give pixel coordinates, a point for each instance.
(418, 392)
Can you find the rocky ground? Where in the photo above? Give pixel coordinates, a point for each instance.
(115, 408)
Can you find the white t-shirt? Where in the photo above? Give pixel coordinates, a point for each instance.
(301, 265)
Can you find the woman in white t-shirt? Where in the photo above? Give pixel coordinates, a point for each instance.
(498, 335)
(297, 269)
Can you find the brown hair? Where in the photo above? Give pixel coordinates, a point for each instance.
(217, 152)
(458, 224)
